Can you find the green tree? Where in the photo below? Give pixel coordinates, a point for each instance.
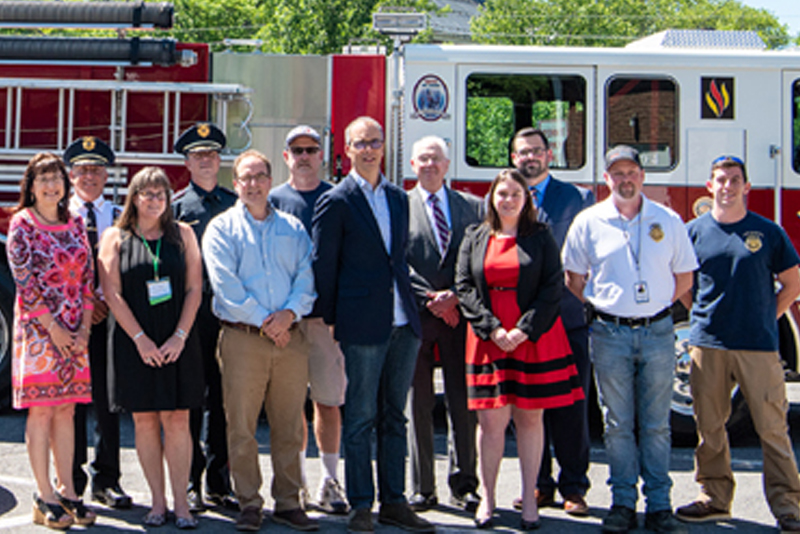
(614, 22)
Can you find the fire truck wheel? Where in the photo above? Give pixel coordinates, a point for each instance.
(684, 430)
(787, 332)
(6, 324)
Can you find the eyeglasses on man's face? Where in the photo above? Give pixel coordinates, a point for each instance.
(361, 144)
(298, 150)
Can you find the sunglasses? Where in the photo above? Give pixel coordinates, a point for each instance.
(298, 150)
(361, 144)
(734, 159)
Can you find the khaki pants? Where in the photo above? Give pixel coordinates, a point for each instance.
(760, 377)
(254, 373)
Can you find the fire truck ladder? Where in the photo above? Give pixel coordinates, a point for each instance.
(222, 95)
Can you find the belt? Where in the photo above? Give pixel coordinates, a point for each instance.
(250, 329)
(500, 288)
(633, 322)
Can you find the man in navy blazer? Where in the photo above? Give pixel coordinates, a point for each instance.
(360, 233)
(566, 429)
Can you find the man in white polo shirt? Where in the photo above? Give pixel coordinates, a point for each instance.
(629, 259)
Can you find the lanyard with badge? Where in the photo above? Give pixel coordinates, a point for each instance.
(641, 294)
(159, 289)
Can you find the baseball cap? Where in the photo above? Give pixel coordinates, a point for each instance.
(620, 153)
(302, 131)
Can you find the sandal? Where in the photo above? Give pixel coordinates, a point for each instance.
(153, 519)
(79, 512)
(186, 523)
(50, 515)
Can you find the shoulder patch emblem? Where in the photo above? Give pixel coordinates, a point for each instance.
(656, 232)
(752, 241)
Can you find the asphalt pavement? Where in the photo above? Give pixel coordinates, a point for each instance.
(750, 512)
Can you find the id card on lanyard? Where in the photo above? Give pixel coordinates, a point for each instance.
(159, 290)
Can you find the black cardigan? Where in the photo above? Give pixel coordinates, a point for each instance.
(539, 289)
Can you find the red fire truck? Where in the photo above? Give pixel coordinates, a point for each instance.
(682, 98)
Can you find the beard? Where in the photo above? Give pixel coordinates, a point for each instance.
(532, 169)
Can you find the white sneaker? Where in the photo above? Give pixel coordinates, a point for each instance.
(332, 498)
(305, 499)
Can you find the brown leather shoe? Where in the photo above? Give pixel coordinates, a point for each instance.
(699, 512)
(576, 505)
(296, 519)
(249, 519)
(399, 514)
(543, 499)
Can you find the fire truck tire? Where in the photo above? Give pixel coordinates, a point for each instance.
(787, 332)
(684, 429)
(6, 325)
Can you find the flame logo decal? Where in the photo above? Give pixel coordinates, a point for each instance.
(718, 99)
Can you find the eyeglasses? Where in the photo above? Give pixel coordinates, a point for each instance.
(361, 144)
(48, 180)
(202, 154)
(536, 151)
(734, 159)
(84, 170)
(298, 150)
(150, 196)
(259, 177)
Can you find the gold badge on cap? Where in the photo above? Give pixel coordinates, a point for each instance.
(752, 241)
(656, 232)
(203, 130)
(89, 143)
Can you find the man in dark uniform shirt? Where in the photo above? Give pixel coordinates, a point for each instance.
(196, 205)
(88, 158)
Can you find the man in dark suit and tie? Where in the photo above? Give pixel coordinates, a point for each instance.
(566, 429)
(438, 218)
(360, 233)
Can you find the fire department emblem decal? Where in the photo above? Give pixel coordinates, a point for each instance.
(717, 100)
(88, 143)
(752, 241)
(656, 232)
(203, 130)
(430, 99)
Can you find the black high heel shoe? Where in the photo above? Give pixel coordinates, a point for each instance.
(530, 525)
(485, 523)
(79, 512)
(50, 515)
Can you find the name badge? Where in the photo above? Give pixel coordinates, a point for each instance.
(159, 291)
(640, 292)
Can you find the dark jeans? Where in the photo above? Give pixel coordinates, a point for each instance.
(378, 380)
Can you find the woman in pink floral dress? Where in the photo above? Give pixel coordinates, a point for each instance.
(51, 262)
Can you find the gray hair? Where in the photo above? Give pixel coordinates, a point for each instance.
(430, 140)
(362, 120)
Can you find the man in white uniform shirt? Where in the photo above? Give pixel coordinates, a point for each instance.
(630, 259)
(87, 158)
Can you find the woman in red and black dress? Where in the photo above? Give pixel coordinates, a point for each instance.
(509, 282)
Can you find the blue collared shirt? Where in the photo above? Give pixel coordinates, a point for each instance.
(541, 187)
(258, 267)
(379, 204)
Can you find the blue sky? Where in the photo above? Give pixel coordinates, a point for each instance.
(787, 11)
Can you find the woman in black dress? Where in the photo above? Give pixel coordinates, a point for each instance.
(151, 273)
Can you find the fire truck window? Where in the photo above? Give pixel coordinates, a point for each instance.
(796, 126)
(643, 113)
(500, 104)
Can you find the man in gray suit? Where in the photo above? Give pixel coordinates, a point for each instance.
(438, 217)
(566, 429)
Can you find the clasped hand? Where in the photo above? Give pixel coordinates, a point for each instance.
(509, 340)
(444, 305)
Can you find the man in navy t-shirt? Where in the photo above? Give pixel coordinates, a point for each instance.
(734, 339)
(303, 157)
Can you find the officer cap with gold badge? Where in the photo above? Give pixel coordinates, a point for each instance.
(89, 150)
(201, 136)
